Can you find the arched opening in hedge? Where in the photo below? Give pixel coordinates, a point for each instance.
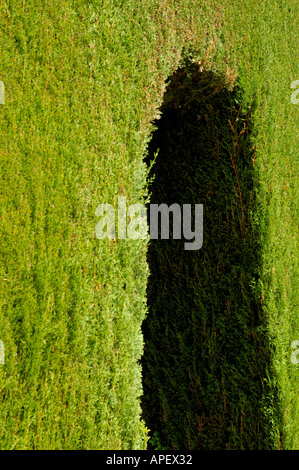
(205, 352)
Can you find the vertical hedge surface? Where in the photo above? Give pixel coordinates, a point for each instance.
(84, 82)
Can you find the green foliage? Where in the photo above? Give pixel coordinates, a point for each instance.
(206, 348)
(155, 442)
(84, 82)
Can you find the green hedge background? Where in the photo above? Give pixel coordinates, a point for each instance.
(84, 82)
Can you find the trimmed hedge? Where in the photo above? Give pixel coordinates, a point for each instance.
(84, 83)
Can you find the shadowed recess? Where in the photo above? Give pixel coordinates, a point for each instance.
(206, 350)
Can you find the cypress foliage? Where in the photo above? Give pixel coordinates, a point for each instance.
(206, 344)
(83, 83)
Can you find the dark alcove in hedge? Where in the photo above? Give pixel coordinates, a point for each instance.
(206, 351)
